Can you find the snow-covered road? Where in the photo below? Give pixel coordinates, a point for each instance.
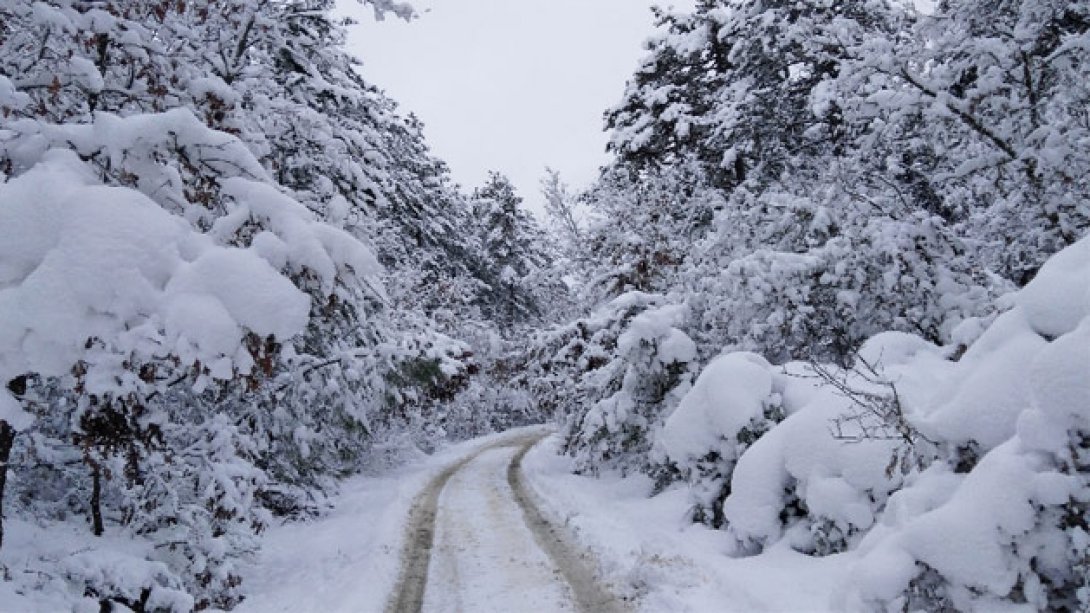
(478, 543)
(484, 557)
(485, 526)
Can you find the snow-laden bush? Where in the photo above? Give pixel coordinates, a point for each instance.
(85, 261)
(1013, 531)
(734, 401)
(960, 474)
(157, 327)
(106, 292)
(822, 476)
(821, 294)
(124, 579)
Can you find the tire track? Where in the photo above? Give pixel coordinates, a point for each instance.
(408, 596)
(409, 593)
(574, 563)
(576, 569)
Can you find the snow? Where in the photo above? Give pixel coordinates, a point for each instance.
(729, 393)
(1022, 397)
(659, 324)
(894, 348)
(1060, 377)
(304, 242)
(991, 387)
(11, 98)
(142, 253)
(651, 553)
(485, 557)
(235, 290)
(49, 567)
(12, 413)
(349, 558)
(81, 260)
(346, 560)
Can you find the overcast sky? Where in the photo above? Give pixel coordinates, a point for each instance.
(509, 85)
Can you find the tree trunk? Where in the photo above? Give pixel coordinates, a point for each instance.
(7, 437)
(96, 499)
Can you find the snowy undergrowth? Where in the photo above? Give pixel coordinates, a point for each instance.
(348, 559)
(60, 566)
(650, 553)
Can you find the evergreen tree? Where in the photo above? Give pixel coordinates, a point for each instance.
(523, 286)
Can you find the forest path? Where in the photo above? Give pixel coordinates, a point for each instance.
(478, 542)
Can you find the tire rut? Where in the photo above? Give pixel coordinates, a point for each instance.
(574, 563)
(415, 557)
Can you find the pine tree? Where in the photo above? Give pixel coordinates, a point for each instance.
(522, 282)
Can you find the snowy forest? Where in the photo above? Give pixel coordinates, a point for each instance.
(831, 295)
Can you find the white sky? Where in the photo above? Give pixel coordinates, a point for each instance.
(508, 85)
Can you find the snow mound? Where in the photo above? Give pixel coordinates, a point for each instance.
(991, 389)
(1007, 534)
(1058, 298)
(957, 474)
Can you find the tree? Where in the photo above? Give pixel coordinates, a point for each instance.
(992, 93)
(176, 111)
(642, 228)
(560, 206)
(523, 287)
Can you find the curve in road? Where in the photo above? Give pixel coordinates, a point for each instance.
(477, 541)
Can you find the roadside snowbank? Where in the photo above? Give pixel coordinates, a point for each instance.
(954, 477)
(650, 553)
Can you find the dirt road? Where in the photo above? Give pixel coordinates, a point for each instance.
(478, 542)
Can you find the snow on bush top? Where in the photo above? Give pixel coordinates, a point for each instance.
(991, 387)
(80, 260)
(658, 325)
(1058, 298)
(295, 239)
(728, 395)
